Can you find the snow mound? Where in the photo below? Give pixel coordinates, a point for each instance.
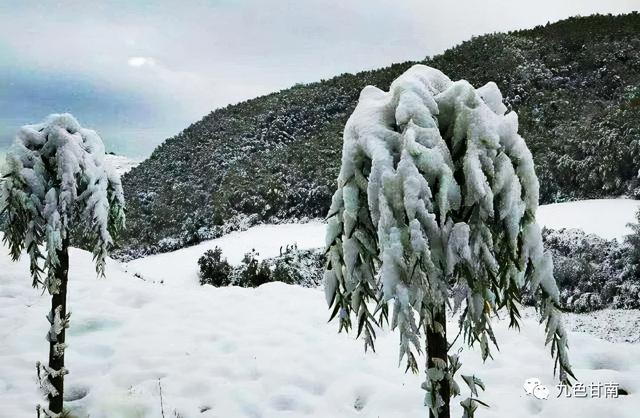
(121, 164)
(607, 218)
(266, 352)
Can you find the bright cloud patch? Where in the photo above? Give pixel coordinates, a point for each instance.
(140, 61)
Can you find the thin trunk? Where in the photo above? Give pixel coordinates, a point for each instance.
(56, 360)
(437, 347)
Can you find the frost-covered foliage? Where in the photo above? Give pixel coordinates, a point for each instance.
(632, 265)
(300, 267)
(56, 176)
(437, 193)
(633, 241)
(292, 266)
(592, 272)
(214, 269)
(251, 272)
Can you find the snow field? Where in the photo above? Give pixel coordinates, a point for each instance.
(265, 352)
(607, 218)
(121, 164)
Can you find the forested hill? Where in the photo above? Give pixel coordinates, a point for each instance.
(575, 85)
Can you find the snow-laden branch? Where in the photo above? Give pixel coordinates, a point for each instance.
(58, 324)
(45, 374)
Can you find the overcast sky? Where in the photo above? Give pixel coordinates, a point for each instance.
(141, 71)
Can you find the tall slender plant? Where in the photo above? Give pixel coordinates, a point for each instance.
(436, 201)
(57, 181)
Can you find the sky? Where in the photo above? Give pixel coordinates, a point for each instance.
(140, 71)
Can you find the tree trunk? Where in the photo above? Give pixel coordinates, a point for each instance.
(56, 357)
(437, 346)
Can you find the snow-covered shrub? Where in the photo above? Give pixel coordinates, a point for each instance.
(214, 269)
(633, 244)
(292, 266)
(251, 272)
(627, 295)
(299, 267)
(587, 302)
(57, 180)
(592, 272)
(436, 194)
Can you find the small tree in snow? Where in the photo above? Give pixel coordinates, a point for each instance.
(57, 180)
(437, 197)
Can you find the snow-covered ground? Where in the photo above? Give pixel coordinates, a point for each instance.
(615, 325)
(266, 352)
(607, 218)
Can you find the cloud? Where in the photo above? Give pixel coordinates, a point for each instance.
(140, 61)
(186, 58)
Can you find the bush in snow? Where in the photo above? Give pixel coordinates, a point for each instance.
(292, 266)
(633, 243)
(436, 194)
(592, 272)
(629, 294)
(214, 269)
(252, 272)
(57, 178)
(300, 267)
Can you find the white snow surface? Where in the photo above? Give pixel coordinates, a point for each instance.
(607, 218)
(267, 352)
(121, 164)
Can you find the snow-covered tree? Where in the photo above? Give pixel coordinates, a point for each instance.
(436, 201)
(57, 181)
